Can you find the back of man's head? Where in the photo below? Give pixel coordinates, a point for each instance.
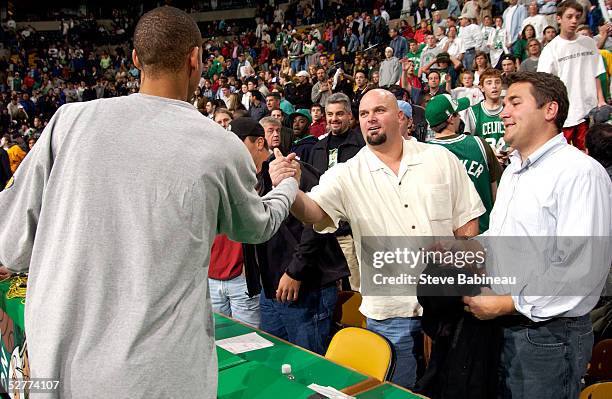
(163, 39)
(598, 142)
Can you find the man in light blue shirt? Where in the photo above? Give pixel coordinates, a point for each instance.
(549, 190)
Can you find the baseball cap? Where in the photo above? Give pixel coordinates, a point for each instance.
(303, 73)
(301, 112)
(442, 106)
(507, 57)
(443, 57)
(244, 127)
(405, 107)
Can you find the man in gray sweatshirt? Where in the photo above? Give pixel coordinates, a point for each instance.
(390, 69)
(116, 230)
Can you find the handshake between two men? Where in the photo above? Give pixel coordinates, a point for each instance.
(283, 167)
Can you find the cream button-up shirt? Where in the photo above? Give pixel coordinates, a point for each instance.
(431, 196)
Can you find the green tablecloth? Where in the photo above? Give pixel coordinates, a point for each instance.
(13, 347)
(252, 380)
(226, 359)
(387, 391)
(306, 366)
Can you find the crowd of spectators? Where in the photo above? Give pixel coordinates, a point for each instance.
(304, 51)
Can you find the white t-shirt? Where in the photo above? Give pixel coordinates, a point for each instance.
(577, 63)
(538, 22)
(456, 47)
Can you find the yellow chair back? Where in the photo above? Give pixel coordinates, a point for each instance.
(602, 390)
(364, 351)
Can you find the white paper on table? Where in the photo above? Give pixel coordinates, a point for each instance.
(330, 392)
(244, 343)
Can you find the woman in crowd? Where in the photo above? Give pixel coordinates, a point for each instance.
(285, 68)
(520, 48)
(481, 64)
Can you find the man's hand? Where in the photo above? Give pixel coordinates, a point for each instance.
(5, 273)
(283, 167)
(288, 289)
(488, 305)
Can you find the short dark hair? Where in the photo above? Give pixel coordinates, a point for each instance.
(254, 139)
(565, 5)
(276, 96)
(317, 105)
(598, 141)
(440, 127)
(163, 38)
(545, 88)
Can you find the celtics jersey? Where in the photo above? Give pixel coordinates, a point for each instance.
(471, 152)
(486, 124)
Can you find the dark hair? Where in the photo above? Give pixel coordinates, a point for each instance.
(549, 27)
(257, 95)
(433, 71)
(525, 28)
(317, 105)
(399, 92)
(163, 38)
(253, 140)
(598, 141)
(565, 5)
(276, 96)
(440, 127)
(545, 88)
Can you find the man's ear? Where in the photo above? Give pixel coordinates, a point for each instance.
(136, 60)
(195, 58)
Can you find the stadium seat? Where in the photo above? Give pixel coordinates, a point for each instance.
(602, 390)
(347, 312)
(364, 351)
(600, 367)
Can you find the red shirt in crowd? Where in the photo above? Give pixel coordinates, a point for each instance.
(419, 35)
(317, 128)
(226, 259)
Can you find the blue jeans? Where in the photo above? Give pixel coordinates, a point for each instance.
(406, 336)
(230, 298)
(468, 58)
(305, 322)
(546, 360)
(296, 65)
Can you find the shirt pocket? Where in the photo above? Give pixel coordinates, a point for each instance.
(438, 201)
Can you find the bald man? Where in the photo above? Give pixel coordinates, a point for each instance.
(392, 187)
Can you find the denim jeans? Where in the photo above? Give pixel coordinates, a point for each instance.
(406, 337)
(296, 65)
(547, 360)
(468, 58)
(230, 298)
(305, 322)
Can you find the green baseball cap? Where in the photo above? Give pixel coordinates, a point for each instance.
(301, 112)
(442, 106)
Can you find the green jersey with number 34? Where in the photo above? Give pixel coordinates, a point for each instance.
(487, 124)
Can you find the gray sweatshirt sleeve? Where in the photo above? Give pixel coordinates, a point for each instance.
(243, 215)
(21, 202)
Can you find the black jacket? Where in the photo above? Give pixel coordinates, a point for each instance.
(465, 354)
(312, 258)
(5, 169)
(347, 150)
(303, 147)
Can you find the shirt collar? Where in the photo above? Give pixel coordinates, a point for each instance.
(409, 157)
(546, 149)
